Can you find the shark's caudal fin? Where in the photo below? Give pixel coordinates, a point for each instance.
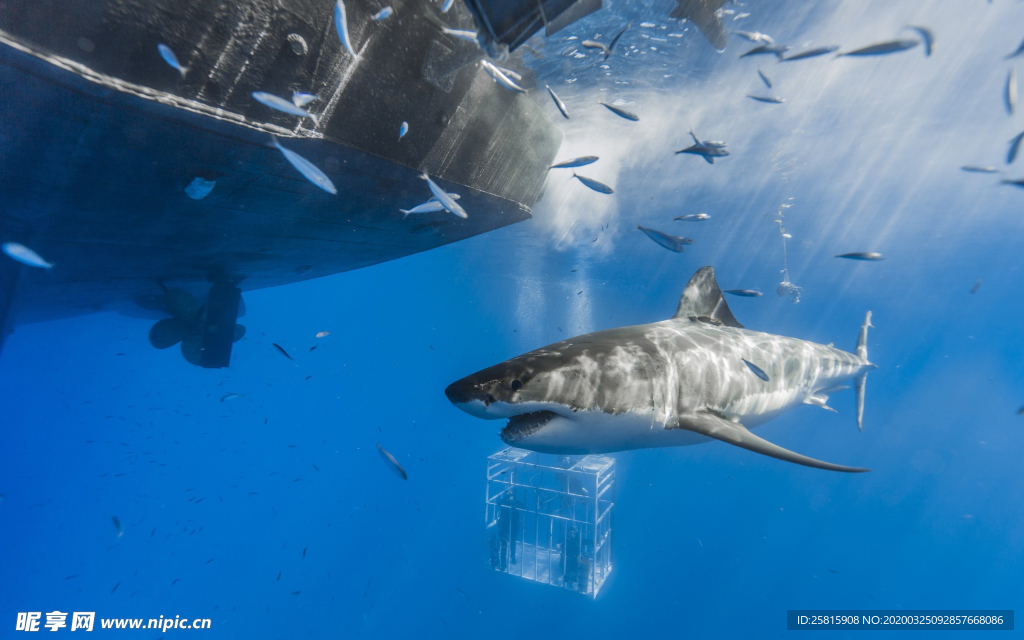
(703, 298)
(703, 13)
(861, 381)
(713, 426)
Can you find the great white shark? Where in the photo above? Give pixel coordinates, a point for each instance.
(681, 381)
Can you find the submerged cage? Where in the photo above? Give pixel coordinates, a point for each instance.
(549, 518)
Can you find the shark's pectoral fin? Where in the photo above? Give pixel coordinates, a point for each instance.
(703, 13)
(719, 428)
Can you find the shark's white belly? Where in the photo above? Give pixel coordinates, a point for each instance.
(599, 432)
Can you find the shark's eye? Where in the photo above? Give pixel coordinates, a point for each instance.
(516, 385)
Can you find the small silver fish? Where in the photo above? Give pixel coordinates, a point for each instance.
(594, 44)
(284, 106)
(232, 396)
(744, 293)
(402, 130)
(25, 256)
(558, 102)
(510, 73)
(117, 525)
(383, 14)
(306, 168)
(462, 34)
(776, 49)
(171, 59)
(1011, 153)
(981, 169)
(615, 39)
(1019, 182)
(977, 285)
(757, 370)
(882, 48)
(765, 79)
(1018, 51)
(575, 162)
(712, 144)
(1010, 97)
(810, 53)
(599, 187)
(927, 37)
(622, 113)
(430, 206)
(768, 99)
(756, 36)
(390, 459)
(498, 76)
(672, 243)
(693, 217)
(447, 5)
(341, 26)
(199, 188)
(866, 255)
(302, 99)
(444, 198)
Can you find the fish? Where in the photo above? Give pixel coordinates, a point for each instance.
(810, 53)
(977, 285)
(594, 44)
(284, 106)
(498, 76)
(1019, 50)
(383, 14)
(1010, 95)
(708, 153)
(882, 48)
(171, 59)
(116, 586)
(430, 206)
(646, 386)
(322, 334)
(25, 256)
(744, 293)
(509, 72)
(341, 26)
(445, 198)
(982, 169)
(927, 38)
(768, 99)
(1019, 182)
(232, 396)
(1020, 412)
(117, 525)
(862, 255)
(704, 14)
(582, 161)
(1011, 153)
(390, 459)
(199, 188)
(775, 49)
(672, 243)
(755, 36)
(283, 352)
(447, 5)
(622, 113)
(558, 102)
(306, 168)
(765, 79)
(300, 99)
(757, 370)
(714, 144)
(693, 217)
(615, 39)
(599, 187)
(402, 130)
(462, 34)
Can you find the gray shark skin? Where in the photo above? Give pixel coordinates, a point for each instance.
(681, 381)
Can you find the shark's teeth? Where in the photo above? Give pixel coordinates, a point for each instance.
(526, 424)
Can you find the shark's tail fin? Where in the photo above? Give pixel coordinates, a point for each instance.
(861, 381)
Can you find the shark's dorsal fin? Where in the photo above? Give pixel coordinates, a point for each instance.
(703, 298)
(703, 13)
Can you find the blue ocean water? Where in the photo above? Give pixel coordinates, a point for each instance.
(273, 514)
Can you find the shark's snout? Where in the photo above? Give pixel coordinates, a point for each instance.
(460, 391)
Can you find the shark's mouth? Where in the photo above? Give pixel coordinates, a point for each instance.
(524, 425)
